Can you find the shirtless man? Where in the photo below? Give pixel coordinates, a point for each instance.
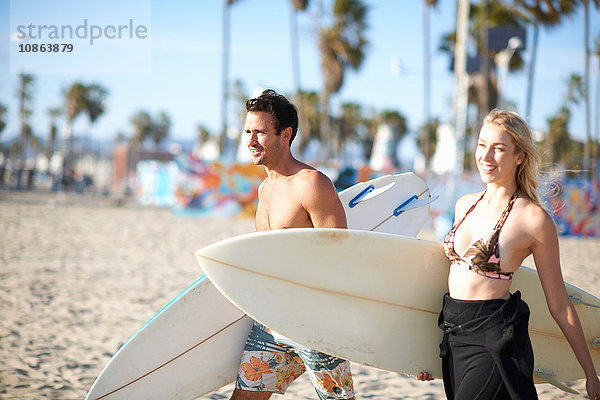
(294, 195)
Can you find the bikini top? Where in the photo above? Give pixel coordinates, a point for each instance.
(482, 257)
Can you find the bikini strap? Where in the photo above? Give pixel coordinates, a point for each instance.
(455, 227)
(506, 211)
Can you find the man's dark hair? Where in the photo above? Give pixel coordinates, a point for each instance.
(283, 112)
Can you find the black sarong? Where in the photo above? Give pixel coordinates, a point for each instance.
(486, 346)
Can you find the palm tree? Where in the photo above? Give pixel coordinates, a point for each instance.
(145, 127)
(142, 129)
(484, 68)
(309, 118)
(426, 6)
(239, 94)
(25, 97)
(427, 140)
(492, 13)
(53, 113)
(557, 141)
(341, 45)
(95, 101)
(398, 124)
(160, 129)
(75, 97)
(575, 90)
(586, 39)
(3, 113)
(226, 13)
(349, 122)
(547, 13)
(483, 89)
(296, 7)
(25, 111)
(81, 98)
(299, 5)
(203, 134)
(2, 118)
(368, 130)
(597, 113)
(75, 103)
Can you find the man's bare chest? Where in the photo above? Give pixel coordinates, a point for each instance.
(279, 208)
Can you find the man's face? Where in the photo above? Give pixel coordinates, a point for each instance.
(264, 143)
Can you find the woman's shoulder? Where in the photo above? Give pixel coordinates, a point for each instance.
(469, 199)
(532, 214)
(466, 201)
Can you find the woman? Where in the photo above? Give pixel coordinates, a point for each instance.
(486, 352)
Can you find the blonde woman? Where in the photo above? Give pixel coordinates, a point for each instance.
(486, 351)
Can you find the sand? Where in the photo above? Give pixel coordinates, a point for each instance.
(79, 275)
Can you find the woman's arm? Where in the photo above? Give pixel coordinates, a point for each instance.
(545, 250)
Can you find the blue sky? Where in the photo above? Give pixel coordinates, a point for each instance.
(185, 74)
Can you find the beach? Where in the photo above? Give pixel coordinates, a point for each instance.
(80, 274)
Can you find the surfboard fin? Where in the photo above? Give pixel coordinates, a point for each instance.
(359, 197)
(549, 377)
(414, 202)
(577, 299)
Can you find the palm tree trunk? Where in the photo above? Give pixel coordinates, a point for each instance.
(460, 94)
(531, 77)
(588, 140)
(225, 75)
(325, 131)
(295, 52)
(25, 133)
(426, 75)
(597, 140)
(67, 156)
(22, 147)
(484, 101)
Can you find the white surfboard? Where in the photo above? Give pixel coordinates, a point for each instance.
(183, 347)
(194, 344)
(392, 203)
(371, 298)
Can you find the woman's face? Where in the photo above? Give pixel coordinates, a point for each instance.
(496, 158)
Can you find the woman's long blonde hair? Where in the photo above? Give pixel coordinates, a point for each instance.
(528, 170)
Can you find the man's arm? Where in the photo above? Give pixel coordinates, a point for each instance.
(321, 201)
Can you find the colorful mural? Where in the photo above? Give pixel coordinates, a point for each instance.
(193, 187)
(216, 189)
(573, 203)
(576, 207)
(155, 182)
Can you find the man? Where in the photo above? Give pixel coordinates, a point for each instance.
(294, 195)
